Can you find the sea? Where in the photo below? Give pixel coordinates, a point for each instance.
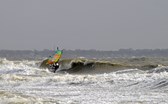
(134, 80)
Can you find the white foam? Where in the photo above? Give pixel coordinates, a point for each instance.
(24, 78)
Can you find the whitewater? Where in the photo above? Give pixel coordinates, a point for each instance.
(24, 82)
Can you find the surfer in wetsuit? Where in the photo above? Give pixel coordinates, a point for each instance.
(54, 67)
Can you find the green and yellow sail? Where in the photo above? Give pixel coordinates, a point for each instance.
(56, 57)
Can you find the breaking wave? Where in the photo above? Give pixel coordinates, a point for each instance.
(82, 66)
(89, 81)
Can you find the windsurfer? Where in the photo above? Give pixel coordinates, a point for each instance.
(53, 61)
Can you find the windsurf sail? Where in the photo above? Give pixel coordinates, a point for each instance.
(55, 58)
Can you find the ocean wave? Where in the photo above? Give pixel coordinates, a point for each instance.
(76, 66)
(24, 82)
(93, 66)
(19, 67)
(159, 69)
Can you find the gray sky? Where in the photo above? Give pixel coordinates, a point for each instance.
(83, 24)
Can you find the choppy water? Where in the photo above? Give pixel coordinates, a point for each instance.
(24, 82)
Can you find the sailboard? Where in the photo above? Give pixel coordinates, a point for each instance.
(55, 58)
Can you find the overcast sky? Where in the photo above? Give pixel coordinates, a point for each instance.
(83, 24)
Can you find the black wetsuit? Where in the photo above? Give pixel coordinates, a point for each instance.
(54, 67)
